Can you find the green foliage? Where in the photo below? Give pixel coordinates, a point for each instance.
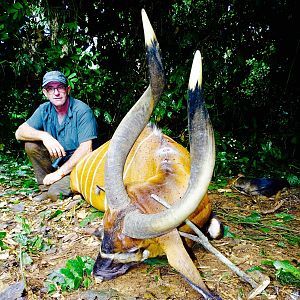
(29, 241)
(231, 157)
(249, 71)
(24, 222)
(25, 258)
(220, 183)
(90, 217)
(56, 214)
(286, 273)
(17, 173)
(256, 81)
(77, 273)
(281, 227)
(264, 160)
(3, 246)
(293, 179)
(156, 261)
(228, 233)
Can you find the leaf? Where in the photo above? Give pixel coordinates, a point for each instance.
(87, 282)
(76, 266)
(21, 239)
(51, 287)
(19, 219)
(77, 282)
(281, 244)
(265, 229)
(286, 272)
(55, 214)
(255, 268)
(88, 264)
(71, 76)
(26, 228)
(56, 277)
(12, 10)
(3, 246)
(156, 261)
(286, 266)
(253, 218)
(67, 72)
(18, 5)
(70, 283)
(285, 217)
(68, 277)
(2, 234)
(228, 233)
(293, 240)
(267, 262)
(67, 273)
(276, 223)
(90, 218)
(24, 222)
(15, 16)
(26, 259)
(37, 243)
(107, 117)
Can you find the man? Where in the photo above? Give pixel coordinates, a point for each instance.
(57, 135)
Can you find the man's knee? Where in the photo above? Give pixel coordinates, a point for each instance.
(34, 147)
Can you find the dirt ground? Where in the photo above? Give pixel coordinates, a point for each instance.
(67, 240)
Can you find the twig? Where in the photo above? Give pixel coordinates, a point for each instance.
(202, 239)
(270, 211)
(21, 267)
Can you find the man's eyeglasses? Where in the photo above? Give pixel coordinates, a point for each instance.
(60, 89)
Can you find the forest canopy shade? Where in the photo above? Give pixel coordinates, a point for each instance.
(251, 66)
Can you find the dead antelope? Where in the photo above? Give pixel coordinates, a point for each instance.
(139, 163)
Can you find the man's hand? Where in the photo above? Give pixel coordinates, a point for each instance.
(83, 149)
(52, 177)
(28, 133)
(53, 146)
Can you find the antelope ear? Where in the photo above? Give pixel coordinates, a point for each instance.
(99, 189)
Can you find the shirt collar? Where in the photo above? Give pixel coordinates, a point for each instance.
(71, 103)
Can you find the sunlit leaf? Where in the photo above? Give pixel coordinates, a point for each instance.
(26, 259)
(285, 217)
(92, 216)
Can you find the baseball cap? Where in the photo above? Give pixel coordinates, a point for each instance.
(54, 76)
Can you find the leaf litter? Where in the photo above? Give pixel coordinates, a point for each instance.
(41, 238)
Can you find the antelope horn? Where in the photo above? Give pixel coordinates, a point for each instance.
(202, 150)
(133, 123)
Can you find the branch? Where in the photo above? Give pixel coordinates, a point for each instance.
(203, 240)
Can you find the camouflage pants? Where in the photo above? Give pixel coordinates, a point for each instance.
(41, 162)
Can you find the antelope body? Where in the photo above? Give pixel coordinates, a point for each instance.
(140, 162)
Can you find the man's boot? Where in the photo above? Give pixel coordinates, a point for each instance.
(42, 165)
(60, 189)
(42, 195)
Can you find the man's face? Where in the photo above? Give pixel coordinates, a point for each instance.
(57, 93)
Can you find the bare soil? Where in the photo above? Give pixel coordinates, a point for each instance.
(67, 240)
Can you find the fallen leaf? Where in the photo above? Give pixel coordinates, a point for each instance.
(81, 214)
(4, 255)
